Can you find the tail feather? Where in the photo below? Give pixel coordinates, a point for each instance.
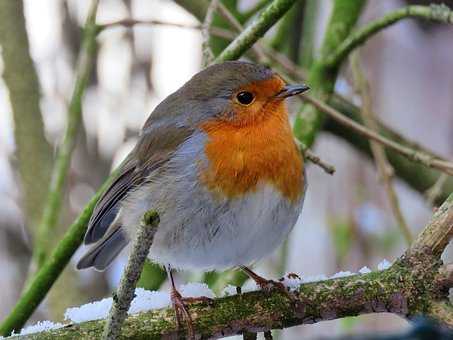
(104, 252)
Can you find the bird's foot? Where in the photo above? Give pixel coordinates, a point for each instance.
(271, 285)
(182, 312)
(198, 299)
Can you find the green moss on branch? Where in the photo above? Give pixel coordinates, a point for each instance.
(266, 19)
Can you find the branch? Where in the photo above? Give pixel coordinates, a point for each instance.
(440, 13)
(322, 79)
(411, 154)
(256, 30)
(60, 170)
(416, 175)
(384, 168)
(130, 276)
(133, 22)
(417, 283)
(208, 55)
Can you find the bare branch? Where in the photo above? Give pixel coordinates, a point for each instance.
(414, 155)
(384, 167)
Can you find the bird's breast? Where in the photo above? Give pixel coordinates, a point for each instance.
(239, 158)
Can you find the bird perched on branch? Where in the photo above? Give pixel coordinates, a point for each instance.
(217, 161)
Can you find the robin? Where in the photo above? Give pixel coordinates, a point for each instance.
(217, 160)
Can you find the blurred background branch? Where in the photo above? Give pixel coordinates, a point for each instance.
(33, 154)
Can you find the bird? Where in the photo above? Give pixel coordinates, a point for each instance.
(217, 160)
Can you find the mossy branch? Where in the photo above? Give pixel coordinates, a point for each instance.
(266, 19)
(416, 283)
(125, 293)
(52, 208)
(440, 13)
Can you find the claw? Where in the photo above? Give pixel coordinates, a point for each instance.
(269, 285)
(181, 312)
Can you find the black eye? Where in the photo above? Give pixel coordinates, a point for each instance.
(245, 97)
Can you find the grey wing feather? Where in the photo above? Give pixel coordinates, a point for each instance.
(102, 254)
(107, 207)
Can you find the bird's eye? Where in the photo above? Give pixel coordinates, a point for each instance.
(245, 97)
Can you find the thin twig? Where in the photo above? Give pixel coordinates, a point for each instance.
(208, 55)
(433, 12)
(433, 193)
(133, 22)
(315, 159)
(125, 294)
(52, 207)
(384, 167)
(411, 154)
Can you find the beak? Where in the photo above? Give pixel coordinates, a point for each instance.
(292, 90)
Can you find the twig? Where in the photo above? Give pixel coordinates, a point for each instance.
(54, 199)
(436, 190)
(310, 155)
(256, 30)
(414, 155)
(131, 275)
(133, 22)
(416, 175)
(384, 167)
(433, 12)
(417, 283)
(208, 55)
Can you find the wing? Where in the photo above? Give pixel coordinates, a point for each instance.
(154, 149)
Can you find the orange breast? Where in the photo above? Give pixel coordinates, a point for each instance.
(243, 155)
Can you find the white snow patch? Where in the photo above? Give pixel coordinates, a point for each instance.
(40, 326)
(314, 278)
(250, 286)
(146, 300)
(341, 274)
(229, 290)
(96, 310)
(364, 270)
(196, 289)
(291, 281)
(384, 264)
